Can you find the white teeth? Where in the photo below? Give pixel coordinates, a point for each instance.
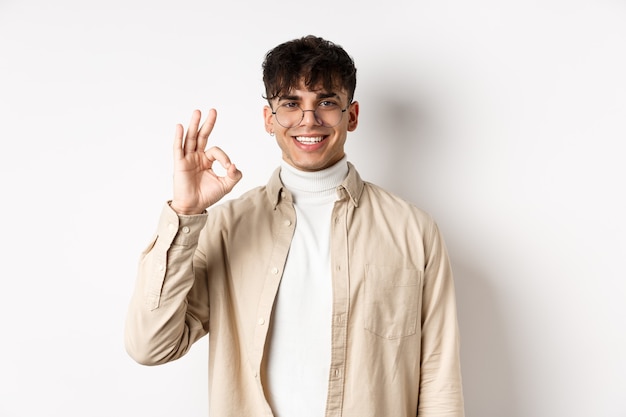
(309, 140)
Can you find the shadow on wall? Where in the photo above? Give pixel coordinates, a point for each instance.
(407, 143)
(486, 360)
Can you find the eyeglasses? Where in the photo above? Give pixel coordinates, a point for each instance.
(327, 114)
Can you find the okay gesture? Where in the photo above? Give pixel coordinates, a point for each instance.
(196, 185)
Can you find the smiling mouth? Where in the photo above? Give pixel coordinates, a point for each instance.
(309, 140)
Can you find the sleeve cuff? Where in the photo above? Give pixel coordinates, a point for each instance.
(180, 229)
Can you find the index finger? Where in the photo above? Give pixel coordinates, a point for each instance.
(217, 154)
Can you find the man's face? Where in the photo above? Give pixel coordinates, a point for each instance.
(311, 145)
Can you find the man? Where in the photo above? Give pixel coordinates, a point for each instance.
(322, 295)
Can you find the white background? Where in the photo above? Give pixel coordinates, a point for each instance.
(505, 120)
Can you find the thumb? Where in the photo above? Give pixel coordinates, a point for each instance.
(232, 177)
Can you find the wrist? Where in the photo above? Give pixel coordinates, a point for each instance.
(185, 211)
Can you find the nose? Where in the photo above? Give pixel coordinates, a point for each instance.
(310, 119)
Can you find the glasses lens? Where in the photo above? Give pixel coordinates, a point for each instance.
(328, 115)
(289, 115)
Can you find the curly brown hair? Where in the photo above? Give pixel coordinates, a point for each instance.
(316, 61)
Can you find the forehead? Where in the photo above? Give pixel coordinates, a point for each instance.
(303, 92)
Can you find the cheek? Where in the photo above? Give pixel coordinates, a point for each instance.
(283, 142)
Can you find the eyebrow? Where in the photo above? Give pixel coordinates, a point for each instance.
(318, 96)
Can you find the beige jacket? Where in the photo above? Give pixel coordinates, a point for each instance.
(395, 339)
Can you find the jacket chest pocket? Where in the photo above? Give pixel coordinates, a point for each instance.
(392, 297)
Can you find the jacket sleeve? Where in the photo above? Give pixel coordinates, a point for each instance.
(441, 391)
(169, 308)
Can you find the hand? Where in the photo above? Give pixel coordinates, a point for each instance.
(196, 186)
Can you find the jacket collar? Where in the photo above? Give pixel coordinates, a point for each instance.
(352, 185)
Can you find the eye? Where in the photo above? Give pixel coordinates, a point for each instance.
(327, 104)
(290, 105)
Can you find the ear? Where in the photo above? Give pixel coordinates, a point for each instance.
(268, 117)
(353, 116)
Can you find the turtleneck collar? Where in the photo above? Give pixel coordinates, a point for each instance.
(314, 185)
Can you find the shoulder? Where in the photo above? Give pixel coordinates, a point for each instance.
(253, 199)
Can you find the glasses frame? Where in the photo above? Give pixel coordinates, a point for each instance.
(317, 119)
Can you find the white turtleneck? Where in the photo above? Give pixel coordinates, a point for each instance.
(298, 357)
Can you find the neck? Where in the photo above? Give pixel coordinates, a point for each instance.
(313, 185)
